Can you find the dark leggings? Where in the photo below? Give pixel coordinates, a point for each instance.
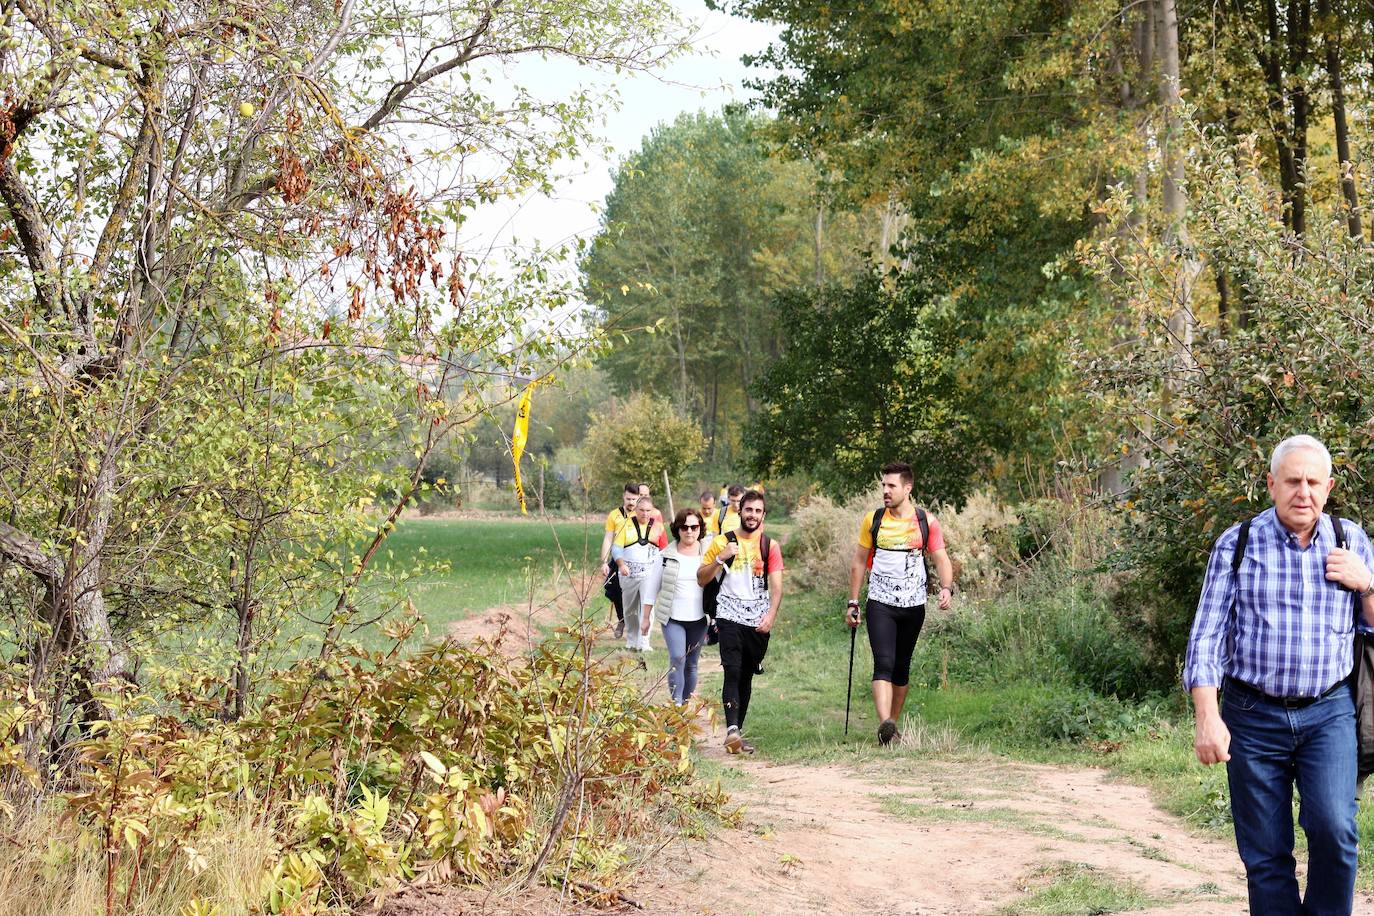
(892, 633)
(741, 652)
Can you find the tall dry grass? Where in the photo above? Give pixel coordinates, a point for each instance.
(978, 538)
(49, 867)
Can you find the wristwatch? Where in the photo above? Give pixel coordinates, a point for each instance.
(1368, 591)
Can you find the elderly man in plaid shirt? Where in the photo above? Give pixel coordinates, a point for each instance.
(1276, 636)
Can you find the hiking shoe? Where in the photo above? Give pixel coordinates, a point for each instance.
(733, 742)
(886, 732)
(619, 628)
(747, 747)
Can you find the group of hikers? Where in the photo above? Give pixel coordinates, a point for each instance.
(1270, 666)
(720, 581)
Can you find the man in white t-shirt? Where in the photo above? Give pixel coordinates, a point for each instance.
(746, 608)
(893, 544)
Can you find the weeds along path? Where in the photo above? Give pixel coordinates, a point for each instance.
(945, 836)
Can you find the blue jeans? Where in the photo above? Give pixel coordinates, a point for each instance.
(1273, 748)
(683, 640)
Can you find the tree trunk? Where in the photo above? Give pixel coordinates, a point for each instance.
(819, 246)
(84, 589)
(1181, 321)
(1331, 42)
(1289, 136)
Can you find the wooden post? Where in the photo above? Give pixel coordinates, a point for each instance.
(668, 488)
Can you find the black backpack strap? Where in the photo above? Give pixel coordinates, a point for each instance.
(767, 547)
(873, 531)
(642, 537)
(925, 530)
(1239, 554)
(730, 536)
(1338, 528)
(720, 516)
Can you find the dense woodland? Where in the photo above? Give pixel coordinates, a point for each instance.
(1123, 242)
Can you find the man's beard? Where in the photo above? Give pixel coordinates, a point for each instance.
(750, 524)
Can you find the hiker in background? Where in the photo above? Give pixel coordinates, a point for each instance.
(726, 518)
(1274, 633)
(615, 519)
(646, 493)
(636, 550)
(746, 609)
(708, 512)
(894, 542)
(675, 600)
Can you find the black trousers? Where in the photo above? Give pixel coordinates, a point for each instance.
(741, 652)
(612, 592)
(892, 633)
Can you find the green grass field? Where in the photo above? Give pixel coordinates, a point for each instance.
(471, 565)
(490, 562)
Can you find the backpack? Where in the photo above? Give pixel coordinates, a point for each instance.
(1361, 675)
(765, 545)
(711, 592)
(878, 523)
(642, 537)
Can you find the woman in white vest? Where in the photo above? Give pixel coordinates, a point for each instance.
(674, 598)
(635, 550)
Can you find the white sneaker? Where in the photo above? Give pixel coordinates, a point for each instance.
(644, 643)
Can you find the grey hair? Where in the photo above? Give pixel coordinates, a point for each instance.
(1297, 443)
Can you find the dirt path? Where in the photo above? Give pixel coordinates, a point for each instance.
(942, 836)
(520, 627)
(917, 833)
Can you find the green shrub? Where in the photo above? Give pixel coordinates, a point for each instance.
(1293, 358)
(370, 768)
(637, 440)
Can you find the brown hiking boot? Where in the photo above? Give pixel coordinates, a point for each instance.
(747, 747)
(886, 732)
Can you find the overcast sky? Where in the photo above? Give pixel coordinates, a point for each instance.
(708, 78)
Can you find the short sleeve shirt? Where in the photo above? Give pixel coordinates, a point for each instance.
(744, 590)
(898, 577)
(616, 519)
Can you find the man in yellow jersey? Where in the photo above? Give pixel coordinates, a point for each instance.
(707, 502)
(893, 544)
(616, 519)
(746, 609)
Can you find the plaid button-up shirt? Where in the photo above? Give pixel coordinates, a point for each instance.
(1278, 625)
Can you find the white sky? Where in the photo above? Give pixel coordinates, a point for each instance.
(708, 78)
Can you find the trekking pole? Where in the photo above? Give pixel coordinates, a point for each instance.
(849, 689)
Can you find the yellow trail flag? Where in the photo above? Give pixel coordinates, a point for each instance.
(518, 438)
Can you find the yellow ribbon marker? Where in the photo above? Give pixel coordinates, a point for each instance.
(518, 438)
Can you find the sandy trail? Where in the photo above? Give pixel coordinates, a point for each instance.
(914, 834)
(942, 836)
